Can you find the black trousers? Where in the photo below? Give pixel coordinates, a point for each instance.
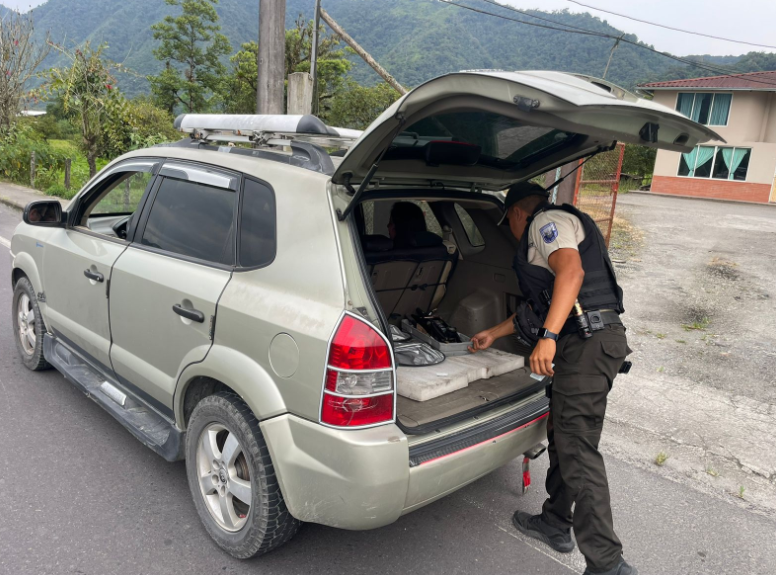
(584, 372)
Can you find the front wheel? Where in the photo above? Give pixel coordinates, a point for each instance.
(232, 479)
(28, 326)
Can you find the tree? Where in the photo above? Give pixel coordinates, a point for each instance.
(638, 160)
(19, 57)
(238, 88)
(333, 64)
(358, 106)
(191, 48)
(135, 124)
(84, 89)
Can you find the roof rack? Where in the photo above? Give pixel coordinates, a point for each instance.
(303, 154)
(265, 130)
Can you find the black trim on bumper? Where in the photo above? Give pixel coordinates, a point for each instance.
(447, 446)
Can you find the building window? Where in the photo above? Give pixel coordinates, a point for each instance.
(705, 108)
(716, 162)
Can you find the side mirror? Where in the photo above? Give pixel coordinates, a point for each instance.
(45, 213)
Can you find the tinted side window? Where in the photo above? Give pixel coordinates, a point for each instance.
(378, 213)
(471, 229)
(257, 225)
(193, 220)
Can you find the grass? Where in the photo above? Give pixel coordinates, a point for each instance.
(661, 458)
(740, 493)
(626, 239)
(699, 325)
(711, 471)
(681, 341)
(660, 335)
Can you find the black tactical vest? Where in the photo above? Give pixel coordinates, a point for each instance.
(599, 288)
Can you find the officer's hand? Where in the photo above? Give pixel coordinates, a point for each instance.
(481, 341)
(542, 356)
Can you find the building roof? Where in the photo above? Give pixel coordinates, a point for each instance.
(750, 81)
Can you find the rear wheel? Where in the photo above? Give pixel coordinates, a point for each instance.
(232, 479)
(28, 326)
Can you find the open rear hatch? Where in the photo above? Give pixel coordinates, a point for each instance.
(477, 131)
(488, 130)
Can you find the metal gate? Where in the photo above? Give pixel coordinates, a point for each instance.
(596, 188)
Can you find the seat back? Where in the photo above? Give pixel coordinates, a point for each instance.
(410, 278)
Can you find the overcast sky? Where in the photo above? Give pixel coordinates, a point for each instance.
(749, 20)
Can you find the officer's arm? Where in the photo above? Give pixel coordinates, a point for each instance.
(569, 275)
(567, 265)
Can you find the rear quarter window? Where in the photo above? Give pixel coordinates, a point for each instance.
(258, 223)
(469, 227)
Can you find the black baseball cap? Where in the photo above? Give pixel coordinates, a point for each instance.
(517, 192)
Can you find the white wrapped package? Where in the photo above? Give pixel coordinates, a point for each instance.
(424, 383)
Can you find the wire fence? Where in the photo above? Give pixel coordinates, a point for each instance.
(598, 182)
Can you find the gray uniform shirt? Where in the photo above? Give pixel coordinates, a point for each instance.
(550, 231)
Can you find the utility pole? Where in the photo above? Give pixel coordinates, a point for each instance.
(363, 53)
(314, 55)
(272, 57)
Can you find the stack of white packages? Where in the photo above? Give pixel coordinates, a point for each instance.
(424, 383)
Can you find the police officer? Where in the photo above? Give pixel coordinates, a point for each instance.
(562, 258)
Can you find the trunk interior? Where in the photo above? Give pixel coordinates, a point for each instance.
(454, 263)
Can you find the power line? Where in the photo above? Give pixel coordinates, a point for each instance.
(710, 68)
(586, 32)
(524, 13)
(672, 28)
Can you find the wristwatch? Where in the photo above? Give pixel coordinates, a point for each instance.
(544, 333)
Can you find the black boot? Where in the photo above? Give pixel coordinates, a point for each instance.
(622, 568)
(534, 526)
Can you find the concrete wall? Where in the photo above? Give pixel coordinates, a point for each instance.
(752, 124)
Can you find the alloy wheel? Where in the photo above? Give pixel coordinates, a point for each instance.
(224, 477)
(26, 324)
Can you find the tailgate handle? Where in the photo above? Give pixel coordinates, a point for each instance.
(95, 276)
(192, 314)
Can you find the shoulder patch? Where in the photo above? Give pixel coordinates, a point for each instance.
(549, 233)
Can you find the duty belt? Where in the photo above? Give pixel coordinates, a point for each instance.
(597, 320)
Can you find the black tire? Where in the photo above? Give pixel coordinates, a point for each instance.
(269, 524)
(32, 358)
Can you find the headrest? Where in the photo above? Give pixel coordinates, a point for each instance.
(425, 240)
(377, 243)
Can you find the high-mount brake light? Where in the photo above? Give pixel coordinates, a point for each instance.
(359, 389)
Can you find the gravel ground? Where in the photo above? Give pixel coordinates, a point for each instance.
(700, 291)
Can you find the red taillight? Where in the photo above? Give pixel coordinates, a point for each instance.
(356, 411)
(357, 345)
(359, 386)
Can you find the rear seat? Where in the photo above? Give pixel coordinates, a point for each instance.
(409, 278)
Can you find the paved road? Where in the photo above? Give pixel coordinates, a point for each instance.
(79, 495)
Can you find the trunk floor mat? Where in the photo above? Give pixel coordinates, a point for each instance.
(412, 413)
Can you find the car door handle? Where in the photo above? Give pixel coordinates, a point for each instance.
(95, 276)
(192, 314)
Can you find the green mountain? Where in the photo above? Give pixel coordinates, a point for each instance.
(414, 39)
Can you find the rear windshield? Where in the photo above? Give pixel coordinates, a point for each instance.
(504, 141)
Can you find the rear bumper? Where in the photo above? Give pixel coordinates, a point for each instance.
(365, 479)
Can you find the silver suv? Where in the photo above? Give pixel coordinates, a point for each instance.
(238, 306)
